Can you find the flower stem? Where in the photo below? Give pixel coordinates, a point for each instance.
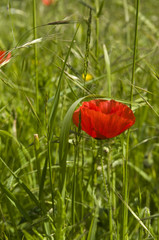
(104, 178)
(110, 198)
(35, 56)
(108, 193)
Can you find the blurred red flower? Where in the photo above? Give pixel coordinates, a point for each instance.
(48, 2)
(103, 119)
(4, 56)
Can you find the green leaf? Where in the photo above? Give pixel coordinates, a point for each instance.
(64, 135)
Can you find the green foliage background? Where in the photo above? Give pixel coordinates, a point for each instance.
(36, 201)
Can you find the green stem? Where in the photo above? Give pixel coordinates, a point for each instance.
(36, 149)
(126, 12)
(94, 166)
(134, 53)
(82, 191)
(74, 186)
(35, 55)
(125, 162)
(104, 179)
(113, 194)
(108, 193)
(50, 173)
(125, 186)
(110, 198)
(87, 46)
(97, 29)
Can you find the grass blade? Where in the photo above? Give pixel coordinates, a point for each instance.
(26, 189)
(65, 135)
(15, 201)
(57, 95)
(107, 63)
(93, 227)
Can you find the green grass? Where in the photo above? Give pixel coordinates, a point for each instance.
(60, 183)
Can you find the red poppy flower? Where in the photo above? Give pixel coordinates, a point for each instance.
(48, 2)
(103, 119)
(4, 56)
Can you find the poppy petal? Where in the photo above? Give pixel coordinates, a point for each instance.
(4, 56)
(104, 119)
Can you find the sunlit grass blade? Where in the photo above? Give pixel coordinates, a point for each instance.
(107, 63)
(147, 102)
(134, 214)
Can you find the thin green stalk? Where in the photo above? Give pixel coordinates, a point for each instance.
(126, 12)
(158, 225)
(82, 191)
(50, 174)
(35, 55)
(110, 197)
(97, 29)
(87, 46)
(36, 149)
(110, 192)
(125, 186)
(113, 194)
(104, 179)
(135, 51)
(125, 163)
(74, 186)
(94, 164)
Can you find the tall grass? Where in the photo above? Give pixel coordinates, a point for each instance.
(56, 181)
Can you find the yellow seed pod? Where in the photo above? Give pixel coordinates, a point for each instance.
(88, 77)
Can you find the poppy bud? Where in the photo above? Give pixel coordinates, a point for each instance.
(36, 142)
